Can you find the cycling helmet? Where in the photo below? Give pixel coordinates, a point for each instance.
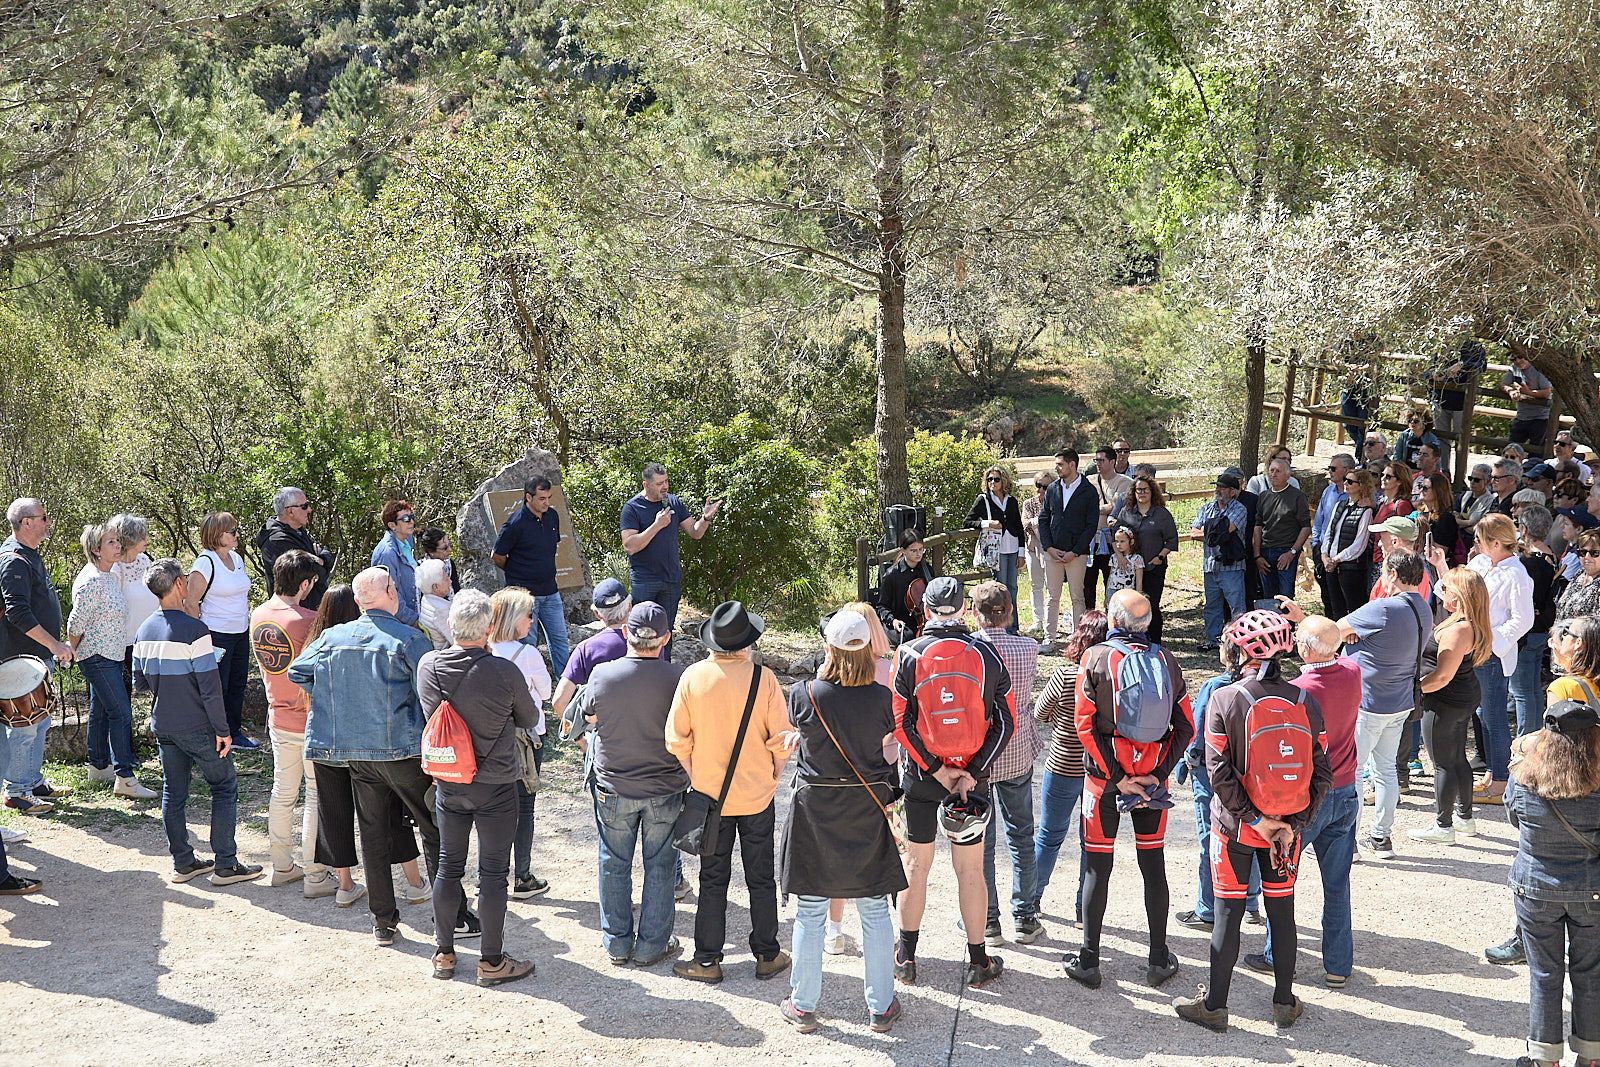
(964, 820)
(1261, 635)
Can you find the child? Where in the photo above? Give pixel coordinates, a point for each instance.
(1127, 566)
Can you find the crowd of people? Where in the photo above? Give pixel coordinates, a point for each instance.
(403, 704)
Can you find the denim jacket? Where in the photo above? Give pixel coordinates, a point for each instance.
(402, 567)
(1550, 863)
(362, 677)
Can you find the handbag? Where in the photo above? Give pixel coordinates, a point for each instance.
(897, 827)
(986, 553)
(699, 823)
(527, 763)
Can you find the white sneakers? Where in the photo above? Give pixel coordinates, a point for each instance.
(289, 877)
(347, 897)
(419, 894)
(836, 944)
(1466, 827)
(1434, 835)
(133, 789)
(101, 774)
(323, 883)
(12, 837)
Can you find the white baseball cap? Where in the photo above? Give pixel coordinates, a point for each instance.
(848, 630)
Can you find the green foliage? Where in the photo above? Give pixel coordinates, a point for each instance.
(761, 547)
(946, 472)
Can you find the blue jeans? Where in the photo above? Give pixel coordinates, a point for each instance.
(623, 824)
(1562, 942)
(1275, 582)
(1492, 712)
(1205, 903)
(877, 950)
(24, 757)
(1351, 407)
(1006, 575)
(110, 731)
(181, 755)
(1014, 799)
(1224, 600)
(1526, 687)
(667, 594)
(1058, 796)
(551, 617)
(1332, 835)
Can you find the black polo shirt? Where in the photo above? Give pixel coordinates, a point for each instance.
(529, 546)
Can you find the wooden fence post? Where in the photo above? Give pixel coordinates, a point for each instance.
(936, 526)
(1282, 436)
(1317, 381)
(863, 579)
(1469, 403)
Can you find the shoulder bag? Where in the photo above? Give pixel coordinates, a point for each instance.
(986, 553)
(897, 828)
(700, 822)
(1416, 677)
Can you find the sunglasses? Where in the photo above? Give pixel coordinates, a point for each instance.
(407, 517)
(1352, 481)
(1586, 551)
(995, 481)
(1123, 451)
(1476, 479)
(307, 506)
(1390, 478)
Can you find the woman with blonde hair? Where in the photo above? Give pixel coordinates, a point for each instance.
(219, 596)
(882, 651)
(838, 842)
(1450, 694)
(997, 517)
(1553, 799)
(510, 619)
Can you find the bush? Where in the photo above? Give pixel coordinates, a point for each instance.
(945, 472)
(761, 548)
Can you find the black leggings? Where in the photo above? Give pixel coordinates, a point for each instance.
(1225, 943)
(1155, 583)
(1444, 731)
(492, 809)
(1097, 888)
(1351, 584)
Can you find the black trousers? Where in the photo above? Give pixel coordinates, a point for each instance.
(1155, 583)
(1444, 731)
(1351, 585)
(492, 809)
(755, 834)
(383, 790)
(1097, 572)
(336, 822)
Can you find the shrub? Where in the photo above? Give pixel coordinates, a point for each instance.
(944, 469)
(761, 548)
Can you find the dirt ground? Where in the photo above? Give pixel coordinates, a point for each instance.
(113, 965)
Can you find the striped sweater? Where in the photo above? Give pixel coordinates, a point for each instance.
(173, 655)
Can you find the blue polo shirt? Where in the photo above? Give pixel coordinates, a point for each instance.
(657, 561)
(529, 546)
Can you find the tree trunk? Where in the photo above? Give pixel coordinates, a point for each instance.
(1255, 405)
(890, 429)
(533, 338)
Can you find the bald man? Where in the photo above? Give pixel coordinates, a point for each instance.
(1335, 681)
(362, 677)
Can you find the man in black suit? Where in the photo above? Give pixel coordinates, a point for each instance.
(1067, 523)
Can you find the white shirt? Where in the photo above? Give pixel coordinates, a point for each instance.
(142, 603)
(1510, 604)
(997, 509)
(434, 617)
(531, 663)
(226, 607)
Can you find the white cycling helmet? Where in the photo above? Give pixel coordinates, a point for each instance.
(964, 821)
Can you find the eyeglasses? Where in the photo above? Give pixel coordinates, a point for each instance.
(1504, 477)
(995, 481)
(407, 517)
(304, 506)
(1414, 421)
(1352, 481)
(1390, 478)
(1586, 552)
(42, 517)
(1142, 487)
(1476, 478)
(1122, 451)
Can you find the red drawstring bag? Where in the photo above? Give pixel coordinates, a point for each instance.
(447, 753)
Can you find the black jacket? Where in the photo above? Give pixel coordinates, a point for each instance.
(1010, 517)
(276, 538)
(29, 600)
(1069, 524)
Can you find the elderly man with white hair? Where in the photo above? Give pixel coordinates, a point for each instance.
(1335, 681)
(286, 530)
(492, 699)
(31, 627)
(433, 614)
(362, 677)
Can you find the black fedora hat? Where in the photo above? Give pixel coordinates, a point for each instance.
(731, 628)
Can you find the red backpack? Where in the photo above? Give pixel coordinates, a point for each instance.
(1277, 755)
(949, 687)
(447, 752)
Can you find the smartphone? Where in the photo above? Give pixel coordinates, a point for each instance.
(1427, 544)
(1266, 605)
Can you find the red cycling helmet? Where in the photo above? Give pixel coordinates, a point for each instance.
(1261, 635)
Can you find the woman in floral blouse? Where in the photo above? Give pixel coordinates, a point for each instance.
(97, 629)
(1582, 594)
